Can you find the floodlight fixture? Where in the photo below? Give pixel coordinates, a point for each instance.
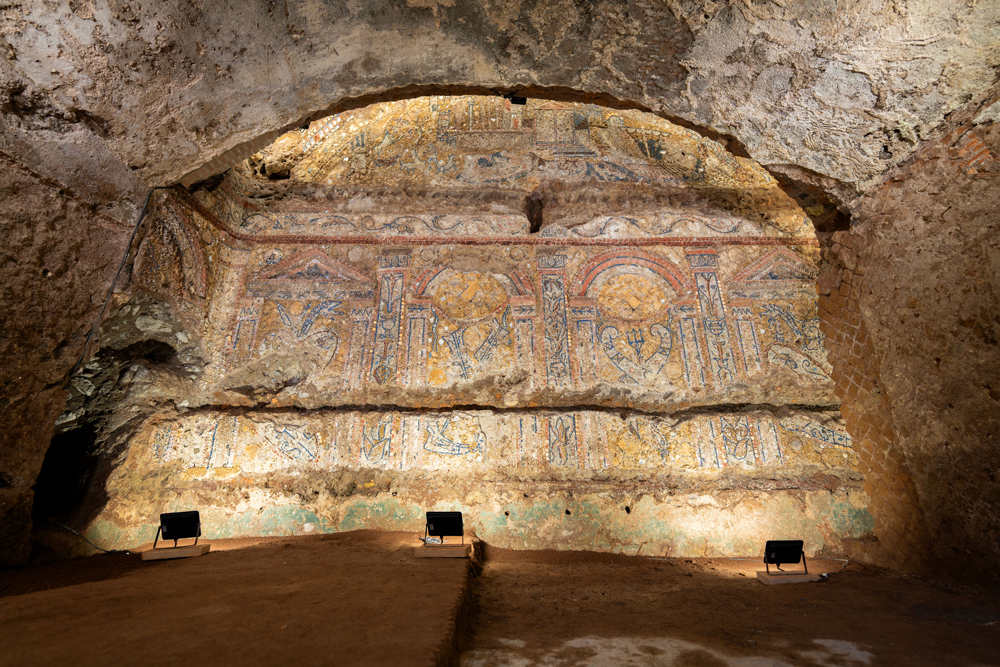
(781, 552)
(179, 526)
(444, 524)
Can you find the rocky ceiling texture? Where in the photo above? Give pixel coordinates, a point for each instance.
(101, 100)
(842, 90)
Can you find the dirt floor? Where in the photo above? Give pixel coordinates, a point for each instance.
(570, 608)
(347, 599)
(363, 599)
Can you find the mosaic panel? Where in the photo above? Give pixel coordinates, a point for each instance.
(489, 141)
(681, 321)
(216, 445)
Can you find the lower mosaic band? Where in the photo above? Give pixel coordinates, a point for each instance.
(705, 484)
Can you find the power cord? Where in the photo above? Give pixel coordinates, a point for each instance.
(107, 551)
(111, 288)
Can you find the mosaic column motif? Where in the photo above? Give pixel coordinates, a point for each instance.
(746, 334)
(357, 347)
(593, 452)
(583, 322)
(770, 443)
(418, 314)
(391, 281)
(704, 263)
(694, 367)
(705, 450)
(244, 334)
(527, 432)
(551, 269)
(524, 312)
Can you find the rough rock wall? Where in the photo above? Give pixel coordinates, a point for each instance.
(841, 90)
(929, 247)
(57, 261)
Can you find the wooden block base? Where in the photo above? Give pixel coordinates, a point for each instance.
(443, 551)
(165, 553)
(775, 579)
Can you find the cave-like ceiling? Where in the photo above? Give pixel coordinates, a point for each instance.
(106, 97)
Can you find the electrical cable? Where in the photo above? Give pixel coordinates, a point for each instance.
(97, 324)
(54, 523)
(107, 299)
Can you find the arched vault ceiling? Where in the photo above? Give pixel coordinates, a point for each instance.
(842, 89)
(440, 140)
(541, 147)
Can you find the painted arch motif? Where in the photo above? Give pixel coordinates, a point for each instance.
(623, 304)
(470, 325)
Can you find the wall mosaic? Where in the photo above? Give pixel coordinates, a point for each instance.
(688, 324)
(477, 142)
(352, 308)
(218, 445)
(481, 140)
(709, 485)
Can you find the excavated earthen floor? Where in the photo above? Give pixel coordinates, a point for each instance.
(567, 608)
(356, 598)
(362, 599)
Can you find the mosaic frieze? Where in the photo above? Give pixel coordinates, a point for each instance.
(319, 222)
(667, 224)
(684, 323)
(316, 220)
(224, 445)
(477, 142)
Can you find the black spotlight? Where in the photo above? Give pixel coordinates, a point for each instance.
(444, 524)
(178, 526)
(782, 552)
